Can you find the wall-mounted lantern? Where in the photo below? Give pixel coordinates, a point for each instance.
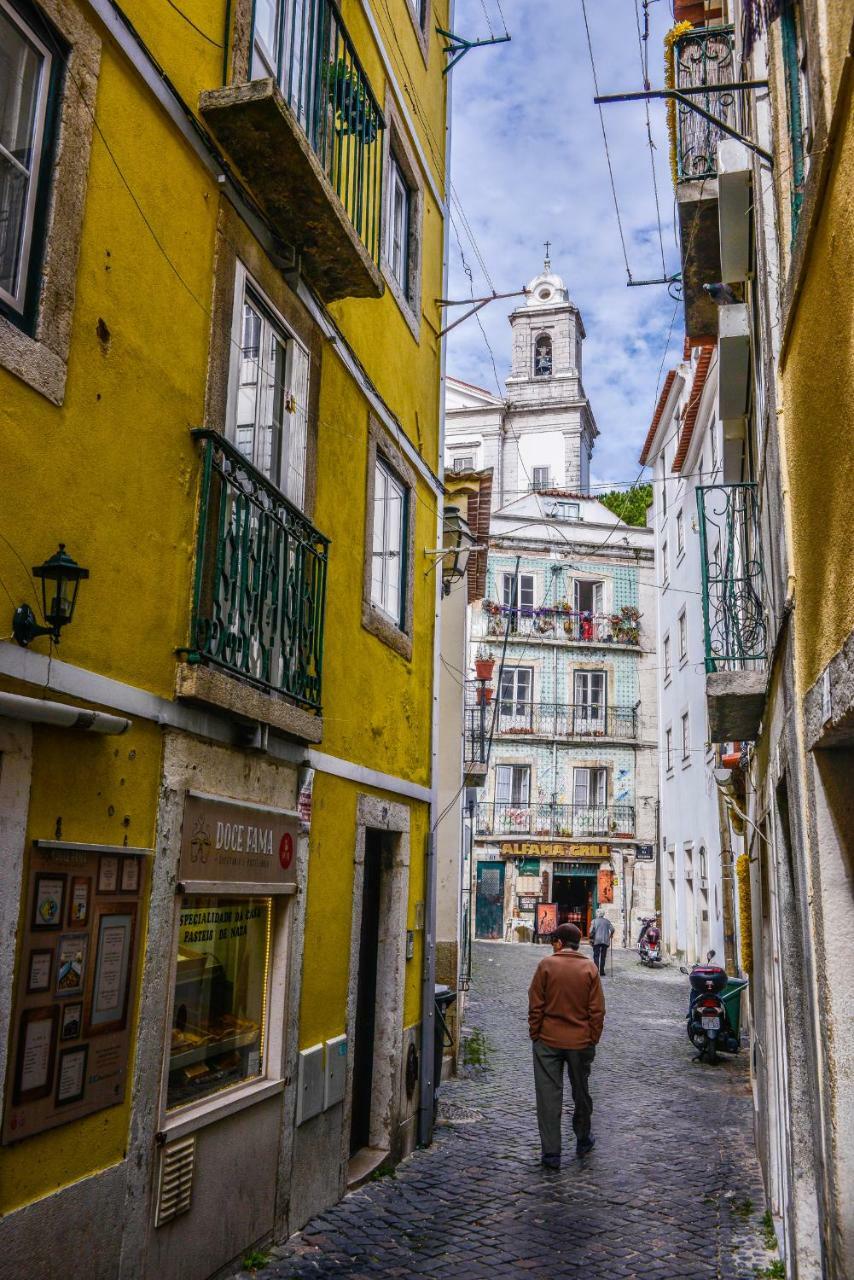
(457, 544)
(60, 578)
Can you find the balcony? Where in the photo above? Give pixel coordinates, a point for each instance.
(552, 720)
(259, 598)
(734, 623)
(702, 59)
(478, 728)
(307, 140)
(563, 624)
(555, 821)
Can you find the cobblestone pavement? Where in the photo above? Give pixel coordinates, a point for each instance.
(671, 1192)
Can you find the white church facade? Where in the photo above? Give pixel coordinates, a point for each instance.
(567, 819)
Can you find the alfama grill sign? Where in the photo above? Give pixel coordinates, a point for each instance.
(237, 844)
(547, 849)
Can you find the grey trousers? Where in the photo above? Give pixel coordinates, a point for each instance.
(548, 1084)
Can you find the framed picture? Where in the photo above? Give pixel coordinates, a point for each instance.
(130, 875)
(36, 1054)
(111, 985)
(71, 964)
(78, 901)
(71, 1075)
(39, 971)
(48, 901)
(108, 873)
(72, 1021)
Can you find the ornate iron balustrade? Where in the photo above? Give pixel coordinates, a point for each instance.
(478, 725)
(555, 623)
(325, 85)
(495, 818)
(733, 581)
(260, 586)
(561, 720)
(704, 57)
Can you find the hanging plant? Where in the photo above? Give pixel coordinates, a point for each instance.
(670, 83)
(354, 112)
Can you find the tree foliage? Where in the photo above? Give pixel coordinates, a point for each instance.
(629, 504)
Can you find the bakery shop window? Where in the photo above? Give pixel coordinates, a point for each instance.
(219, 1014)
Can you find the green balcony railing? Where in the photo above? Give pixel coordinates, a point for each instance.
(308, 50)
(703, 58)
(733, 582)
(260, 585)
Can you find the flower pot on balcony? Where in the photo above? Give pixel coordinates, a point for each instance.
(484, 696)
(484, 668)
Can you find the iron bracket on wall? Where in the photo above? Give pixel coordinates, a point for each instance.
(458, 46)
(682, 96)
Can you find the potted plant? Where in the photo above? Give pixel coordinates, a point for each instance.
(484, 663)
(352, 109)
(624, 625)
(484, 695)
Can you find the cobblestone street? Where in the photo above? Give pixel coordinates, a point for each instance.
(671, 1191)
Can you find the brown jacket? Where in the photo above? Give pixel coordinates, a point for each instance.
(566, 1006)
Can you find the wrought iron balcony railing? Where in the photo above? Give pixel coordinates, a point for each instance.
(325, 85)
(733, 582)
(478, 726)
(556, 623)
(704, 57)
(555, 820)
(560, 720)
(260, 583)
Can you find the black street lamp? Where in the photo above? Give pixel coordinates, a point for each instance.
(60, 577)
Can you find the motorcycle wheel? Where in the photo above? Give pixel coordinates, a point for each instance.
(711, 1051)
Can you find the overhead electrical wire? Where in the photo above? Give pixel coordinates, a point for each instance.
(643, 52)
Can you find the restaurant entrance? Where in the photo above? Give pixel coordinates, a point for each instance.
(575, 892)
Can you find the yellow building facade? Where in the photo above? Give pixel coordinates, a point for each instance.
(220, 376)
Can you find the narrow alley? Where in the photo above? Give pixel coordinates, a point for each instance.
(671, 1191)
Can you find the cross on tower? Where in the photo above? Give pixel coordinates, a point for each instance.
(548, 245)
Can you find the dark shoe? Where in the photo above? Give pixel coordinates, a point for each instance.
(550, 1162)
(583, 1148)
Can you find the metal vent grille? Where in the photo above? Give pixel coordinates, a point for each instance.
(175, 1184)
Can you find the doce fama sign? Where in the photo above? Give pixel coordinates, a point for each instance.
(549, 849)
(231, 843)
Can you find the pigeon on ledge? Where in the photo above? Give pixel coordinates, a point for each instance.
(722, 294)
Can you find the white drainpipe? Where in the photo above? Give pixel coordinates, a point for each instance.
(16, 707)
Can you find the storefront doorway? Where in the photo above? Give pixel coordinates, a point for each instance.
(489, 900)
(576, 895)
(366, 995)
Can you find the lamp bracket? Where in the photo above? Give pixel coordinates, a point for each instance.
(25, 629)
(682, 96)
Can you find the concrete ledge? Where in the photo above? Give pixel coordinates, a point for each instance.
(213, 688)
(699, 237)
(733, 361)
(735, 701)
(829, 704)
(259, 131)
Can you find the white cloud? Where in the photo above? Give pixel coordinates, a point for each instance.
(528, 164)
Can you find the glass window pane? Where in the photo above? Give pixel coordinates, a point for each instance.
(581, 782)
(298, 431)
(13, 204)
(220, 1007)
(503, 783)
(394, 547)
(378, 550)
(20, 79)
(248, 379)
(266, 34)
(270, 426)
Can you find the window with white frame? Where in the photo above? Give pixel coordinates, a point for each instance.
(668, 662)
(398, 248)
(388, 567)
(588, 597)
(464, 463)
(513, 784)
(590, 694)
(680, 534)
(517, 591)
(541, 479)
(668, 749)
(683, 637)
(268, 393)
(686, 737)
(590, 787)
(515, 693)
(28, 80)
(563, 510)
(663, 487)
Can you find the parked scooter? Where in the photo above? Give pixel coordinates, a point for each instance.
(649, 942)
(710, 1028)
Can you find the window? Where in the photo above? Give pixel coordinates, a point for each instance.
(28, 75)
(464, 463)
(219, 1015)
(588, 597)
(702, 861)
(515, 694)
(798, 100)
(665, 563)
(686, 738)
(714, 439)
(668, 749)
(268, 401)
(590, 788)
(518, 591)
(543, 356)
(663, 487)
(564, 511)
(541, 479)
(399, 226)
(590, 692)
(390, 513)
(680, 534)
(668, 664)
(513, 784)
(683, 638)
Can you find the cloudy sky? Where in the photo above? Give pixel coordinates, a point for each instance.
(529, 165)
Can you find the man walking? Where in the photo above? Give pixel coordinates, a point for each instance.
(601, 933)
(566, 1013)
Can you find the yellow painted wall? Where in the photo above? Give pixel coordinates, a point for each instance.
(86, 787)
(817, 377)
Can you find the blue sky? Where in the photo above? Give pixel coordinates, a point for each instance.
(528, 164)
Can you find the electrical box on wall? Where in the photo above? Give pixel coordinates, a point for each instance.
(310, 1083)
(335, 1075)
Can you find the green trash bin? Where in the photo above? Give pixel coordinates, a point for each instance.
(731, 997)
